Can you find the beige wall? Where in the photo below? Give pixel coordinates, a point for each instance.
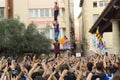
(44, 3)
(20, 10)
(108, 39)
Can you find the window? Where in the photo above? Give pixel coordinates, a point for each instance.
(1, 12)
(100, 4)
(49, 33)
(95, 17)
(95, 4)
(52, 12)
(33, 13)
(36, 13)
(47, 12)
(42, 12)
(30, 13)
(103, 3)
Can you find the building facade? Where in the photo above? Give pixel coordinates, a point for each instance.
(41, 14)
(91, 9)
(110, 19)
(6, 9)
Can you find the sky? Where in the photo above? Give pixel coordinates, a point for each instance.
(77, 9)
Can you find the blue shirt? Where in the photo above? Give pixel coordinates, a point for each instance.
(108, 76)
(56, 27)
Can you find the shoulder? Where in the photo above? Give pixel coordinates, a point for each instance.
(102, 74)
(89, 76)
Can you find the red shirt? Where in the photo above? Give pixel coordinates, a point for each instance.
(56, 47)
(56, 8)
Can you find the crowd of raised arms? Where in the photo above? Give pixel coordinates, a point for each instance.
(67, 67)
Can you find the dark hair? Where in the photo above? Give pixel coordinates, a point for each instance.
(115, 68)
(89, 66)
(55, 2)
(39, 78)
(106, 53)
(28, 67)
(70, 76)
(110, 69)
(63, 67)
(46, 77)
(99, 66)
(37, 74)
(116, 76)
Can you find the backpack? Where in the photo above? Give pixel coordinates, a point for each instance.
(101, 76)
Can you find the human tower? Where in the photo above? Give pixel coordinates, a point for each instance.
(56, 24)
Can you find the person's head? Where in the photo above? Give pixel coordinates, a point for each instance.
(39, 78)
(99, 66)
(63, 67)
(116, 76)
(35, 74)
(55, 22)
(89, 66)
(28, 67)
(106, 53)
(110, 69)
(55, 3)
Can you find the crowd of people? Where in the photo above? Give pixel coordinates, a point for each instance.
(66, 67)
(60, 67)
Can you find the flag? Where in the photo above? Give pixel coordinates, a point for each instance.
(100, 45)
(63, 40)
(66, 45)
(99, 37)
(98, 34)
(94, 41)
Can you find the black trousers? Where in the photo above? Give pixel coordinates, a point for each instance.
(56, 14)
(56, 54)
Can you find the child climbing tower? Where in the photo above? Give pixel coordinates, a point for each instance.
(56, 11)
(56, 29)
(55, 24)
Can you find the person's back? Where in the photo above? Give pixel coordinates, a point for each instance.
(109, 73)
(116, 76)
(70, 76)
(100, 76)
(99, 72)
(56, 47)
